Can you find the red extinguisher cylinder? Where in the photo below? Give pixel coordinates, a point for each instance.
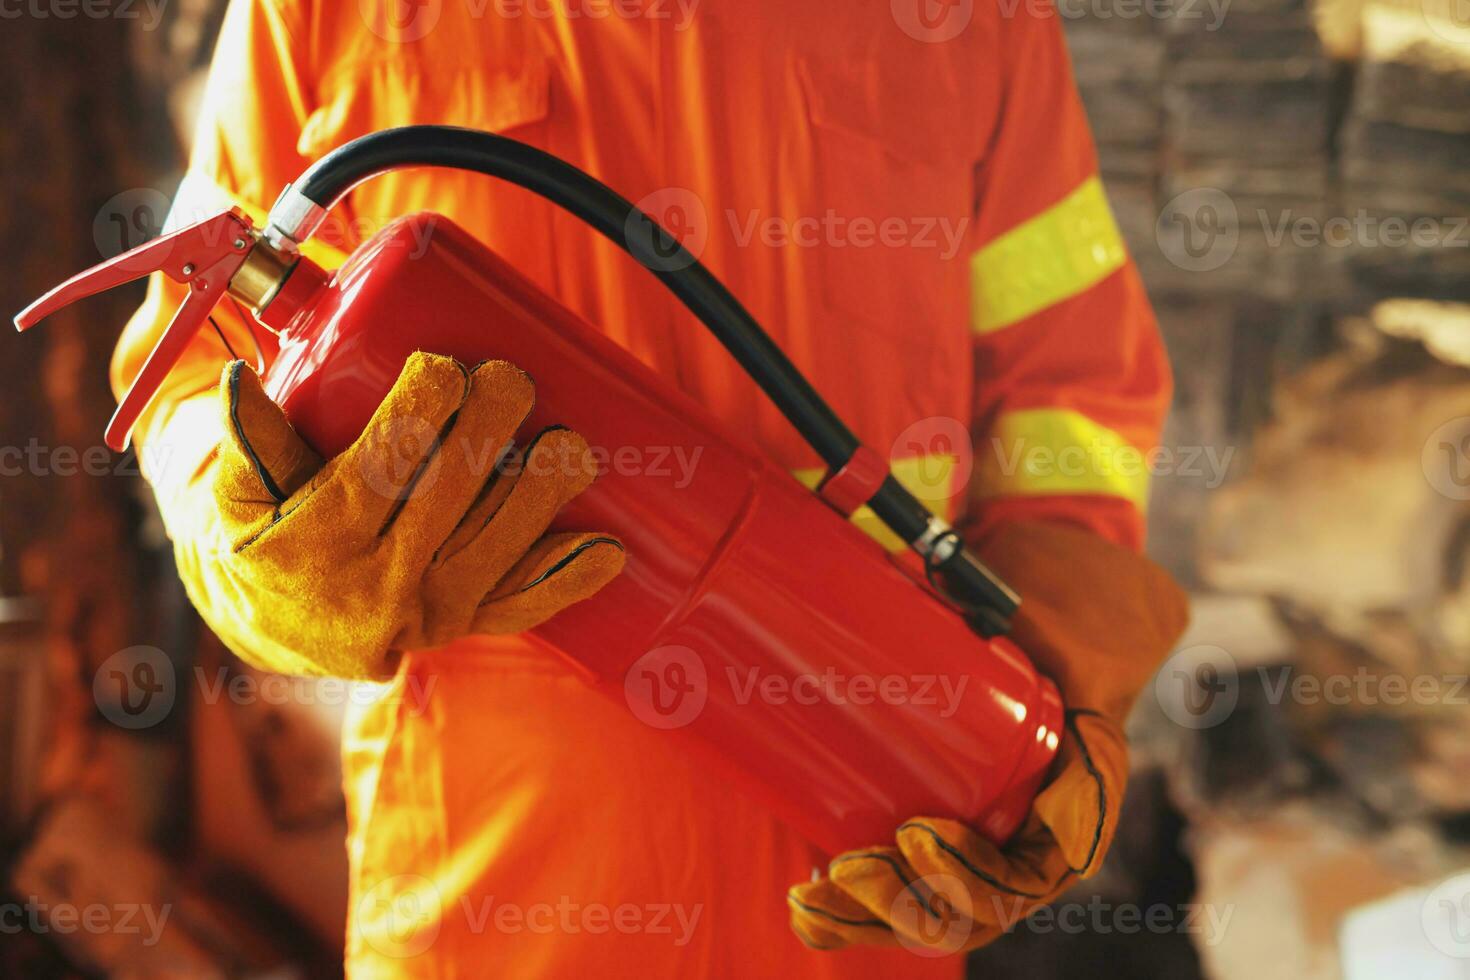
(752, 619)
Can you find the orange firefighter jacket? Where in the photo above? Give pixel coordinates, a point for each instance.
(905, 194)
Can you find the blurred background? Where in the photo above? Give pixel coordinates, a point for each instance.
(1292, 180)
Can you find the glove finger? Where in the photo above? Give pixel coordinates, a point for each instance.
(264, 461)
(1005, 883)
(930, 913)
(479, 434)
(1080, 805)
(554, 469)
(825, 917)
(398, 451)
(559, 571)
(492, 495)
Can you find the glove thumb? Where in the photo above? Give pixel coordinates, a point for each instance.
(1080, 805)
(265, 461)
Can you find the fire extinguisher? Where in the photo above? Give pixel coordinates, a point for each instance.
(740, 577)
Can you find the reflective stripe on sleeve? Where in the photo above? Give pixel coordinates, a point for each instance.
(1061, 252)
(1059, 451)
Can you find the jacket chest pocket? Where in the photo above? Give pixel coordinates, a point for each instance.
(892, 201)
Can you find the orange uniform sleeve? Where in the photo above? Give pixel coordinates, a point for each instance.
(244, 152)
(1072, 381)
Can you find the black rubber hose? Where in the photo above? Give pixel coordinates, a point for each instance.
(619, 220)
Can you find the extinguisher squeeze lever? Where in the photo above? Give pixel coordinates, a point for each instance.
(303, 205)
(204, 256)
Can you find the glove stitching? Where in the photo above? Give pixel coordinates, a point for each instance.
(261, 472)
(1092, 770)
(954, 852)
(567, 559)
(823, 913)
(408, 491)
(894, 866)
(497, 473)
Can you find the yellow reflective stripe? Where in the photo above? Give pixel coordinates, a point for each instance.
(926, 477)
(1056, 450)
(1056, 255)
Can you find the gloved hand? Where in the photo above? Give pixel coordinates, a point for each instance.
(411, 538)
(1097, 619)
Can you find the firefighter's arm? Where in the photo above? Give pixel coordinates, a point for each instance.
(1072, 384)
(336, 567)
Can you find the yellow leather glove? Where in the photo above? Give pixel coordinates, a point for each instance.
(1095, 618)
(411, 538)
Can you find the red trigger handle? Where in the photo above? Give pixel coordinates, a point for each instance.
(205, 256)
